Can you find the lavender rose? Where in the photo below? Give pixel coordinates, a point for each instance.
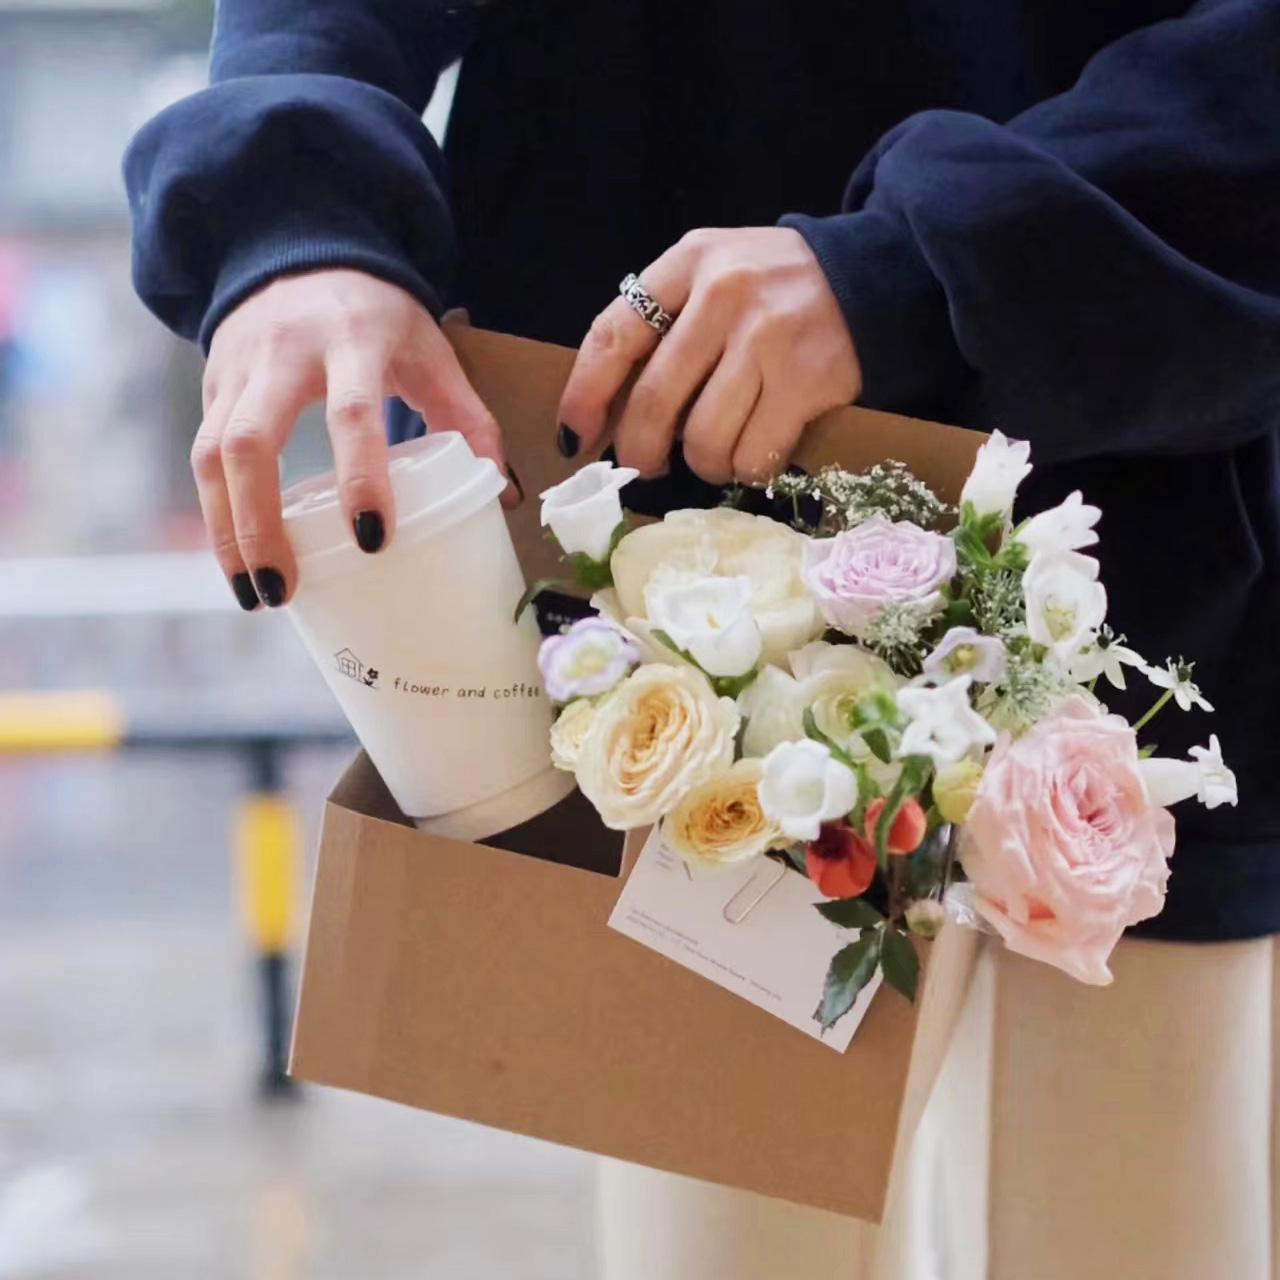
(855, 574)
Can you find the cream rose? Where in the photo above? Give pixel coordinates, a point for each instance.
(728, 544)
(721, 821)
(828, 679)
(661, 733)
(832, 679)
(570, 731)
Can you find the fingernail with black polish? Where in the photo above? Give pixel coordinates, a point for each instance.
(270, 585)
(242, 585)
(568, 441)
(515, 480)
(371, 533)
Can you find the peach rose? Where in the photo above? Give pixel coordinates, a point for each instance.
(1063, 844)
(661, 733)
(721, 822)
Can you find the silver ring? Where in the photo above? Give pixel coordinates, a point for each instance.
(645, 305)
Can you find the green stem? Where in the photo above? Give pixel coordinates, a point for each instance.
(1093, 685)
(1155, 710)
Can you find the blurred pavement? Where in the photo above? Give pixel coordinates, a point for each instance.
(132, 1144)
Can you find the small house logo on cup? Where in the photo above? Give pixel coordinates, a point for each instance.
(351, 667)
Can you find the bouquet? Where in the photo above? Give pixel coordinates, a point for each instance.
(899, 698)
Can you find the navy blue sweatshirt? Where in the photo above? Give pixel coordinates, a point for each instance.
(1063, 221)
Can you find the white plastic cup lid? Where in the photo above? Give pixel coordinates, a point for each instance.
(436, 479)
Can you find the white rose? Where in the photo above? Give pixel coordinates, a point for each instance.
(1000, 467)
(771, 706)
(729, 544)
(830, 680)
(658, 735)
(802, 785)
(1066, 527)
(585, 510)
(1066, 603)
(833, 679)
(710, 618)
(721, 822)
(570, 731)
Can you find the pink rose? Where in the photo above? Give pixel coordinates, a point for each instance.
(855, 574)
(1063, 844)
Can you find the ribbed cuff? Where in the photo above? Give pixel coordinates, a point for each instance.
(894, 306)
(309, 239)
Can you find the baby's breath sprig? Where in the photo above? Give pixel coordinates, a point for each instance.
(850, 498)
(894, 635)
(1029, 688)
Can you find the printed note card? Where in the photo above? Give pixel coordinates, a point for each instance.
(749, 929)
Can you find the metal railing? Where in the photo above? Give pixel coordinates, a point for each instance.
(265, 832)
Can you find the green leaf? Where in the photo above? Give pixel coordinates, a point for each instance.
(971, 546)
(732, 686)
(900, 963)
(1012, 556)
(851, 913)
(878, 743)
(811, 730)
(959, 613)
(724, 686)
(663, 638)
(591, 574)
(532, 592)
(915, 769)
(851, 969)
(795, 855)
(868, 788)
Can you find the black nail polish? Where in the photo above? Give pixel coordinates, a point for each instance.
(270, 585)
(568, 441)
(371, 533)
(515, 480)
(242, 585)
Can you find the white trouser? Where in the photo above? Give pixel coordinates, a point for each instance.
(1076, 1133)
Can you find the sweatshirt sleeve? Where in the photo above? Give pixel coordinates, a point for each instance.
(307, 150)
(1101, 275)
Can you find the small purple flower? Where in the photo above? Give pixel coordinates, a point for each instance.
(966, 652)
(585, 661)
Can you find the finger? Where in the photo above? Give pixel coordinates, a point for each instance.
(768, 439)
(356, 418)
(671, 378)
(617, 340)
(255, 433)
(215, 504)
(429, 378)
(720, 415)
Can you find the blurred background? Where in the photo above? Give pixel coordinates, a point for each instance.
(144, 1128)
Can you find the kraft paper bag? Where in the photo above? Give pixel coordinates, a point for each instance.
(482, 981)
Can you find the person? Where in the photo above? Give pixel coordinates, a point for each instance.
(1061, 222)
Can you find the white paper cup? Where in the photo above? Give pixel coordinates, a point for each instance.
(418, 644)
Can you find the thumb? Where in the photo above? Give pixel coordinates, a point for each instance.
(429, 378)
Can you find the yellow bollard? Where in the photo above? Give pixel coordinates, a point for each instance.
(92, 720)
(268, 843)
(268, 846)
